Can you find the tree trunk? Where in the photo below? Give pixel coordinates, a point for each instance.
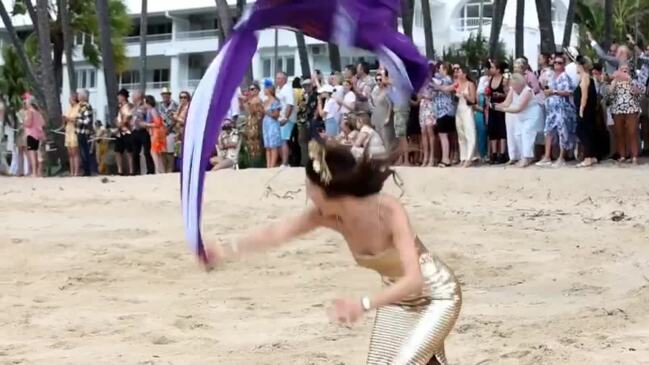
(52, 100)
(520, 28)
(544, 10)
(225, 20)
(570, 20)
(68, 44)
(496, 25)
(247, 79)
(57, 44)
(22, 56)
(334, 58)
(304, 56)
(407, 11)
(4, 167)
(608, 22)
(143, 55)
(428, 29)
(110, 77)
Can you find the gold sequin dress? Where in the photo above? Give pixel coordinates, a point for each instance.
(412, 332)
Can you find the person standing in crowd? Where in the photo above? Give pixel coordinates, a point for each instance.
(348, 73)
(617, 56)
(382, 109)
(85, 131)
(252, 137)
(20, 151)
(123, 136)
(34, 130)
(227, 148)
(347, 101)
(158, 132)
(445, 111)
(464, 119)
(603, 118)
(481, 115)
(179, 118)
(363, 87)
(271, 128)
(141, 137)
(546, 70)
(166, 110)
(427, 118)
(288, 114)
(522, 102)
(329, 110)
(401, 113)
(585, 99)
(348, 132)
(305, 116)
(367, 139)
(497, 128)
(413, 132)
(623, 96)
(100, 143)
(560, 114)
(70, 128)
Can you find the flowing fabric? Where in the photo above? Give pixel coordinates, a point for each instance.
(366, 24)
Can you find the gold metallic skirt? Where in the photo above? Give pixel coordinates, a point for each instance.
(413, 332)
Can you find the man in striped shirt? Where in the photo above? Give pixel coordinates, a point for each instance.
(85, 131)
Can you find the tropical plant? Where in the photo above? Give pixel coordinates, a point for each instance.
(12, 85)
(473, 52)
(591, 17)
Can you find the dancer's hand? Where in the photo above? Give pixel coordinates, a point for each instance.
(216, 255)
(346, 311)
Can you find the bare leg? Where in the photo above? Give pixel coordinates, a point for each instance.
(446, 148)
(431, 145)
(274, 157)
(285, 152)
(424, 145)
(129, 161)
(620, 135)
(33, 163)
(632, 135)
(120, 163)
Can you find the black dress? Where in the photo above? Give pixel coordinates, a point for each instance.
(413, 128)
(586, 131)
(496, 127)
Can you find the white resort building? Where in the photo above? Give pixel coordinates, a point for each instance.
(182, 40)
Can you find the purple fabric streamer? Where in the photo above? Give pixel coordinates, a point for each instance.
(366, 24)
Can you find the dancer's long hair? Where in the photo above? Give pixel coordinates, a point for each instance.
(333, 168)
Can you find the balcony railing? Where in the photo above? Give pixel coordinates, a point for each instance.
(198, 34)
(190, 84)
(467, 24)
(149, 38)
(149, 85)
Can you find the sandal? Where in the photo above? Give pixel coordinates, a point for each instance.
(443, 165)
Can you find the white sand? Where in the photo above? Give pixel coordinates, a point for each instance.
(99, 273)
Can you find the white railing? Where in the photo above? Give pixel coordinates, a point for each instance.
(149, 38)
(149, 85)
(465, 24)
(198, 34)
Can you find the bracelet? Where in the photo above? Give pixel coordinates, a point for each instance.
(366, 303)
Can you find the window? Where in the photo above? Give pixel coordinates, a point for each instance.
(163, 28)
(266, 65)
(83, 38)
(129, 77)
(290, 66)
(86, 79)
(161, 75)
(472, 11)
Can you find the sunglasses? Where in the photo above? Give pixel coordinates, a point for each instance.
(559, 62)
(184, 97)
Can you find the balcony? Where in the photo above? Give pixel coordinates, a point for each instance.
(470, 24)
(149, 38)
(149, 85)
(190, 85)
(197, 34)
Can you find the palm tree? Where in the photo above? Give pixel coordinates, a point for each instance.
(304, 56)
(12, 85)
(428, 29)
(544, 11)
(334, 57)
(570, 20)
(225, 19)
(143, 33)
(407, 10)
(68, 39)
(52, 99)
(608, 22)
(22, 55)
(498, 12)
(520, 28)
(110, 75)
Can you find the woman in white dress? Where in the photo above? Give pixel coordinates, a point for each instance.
(529, 118)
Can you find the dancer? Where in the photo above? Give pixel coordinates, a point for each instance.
(421, 298)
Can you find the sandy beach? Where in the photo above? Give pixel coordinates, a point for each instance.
(554, 266)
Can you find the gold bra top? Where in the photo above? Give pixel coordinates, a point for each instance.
(388, 262)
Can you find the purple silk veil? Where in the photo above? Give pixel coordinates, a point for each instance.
(366, 24)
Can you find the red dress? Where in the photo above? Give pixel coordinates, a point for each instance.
(158, 136)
